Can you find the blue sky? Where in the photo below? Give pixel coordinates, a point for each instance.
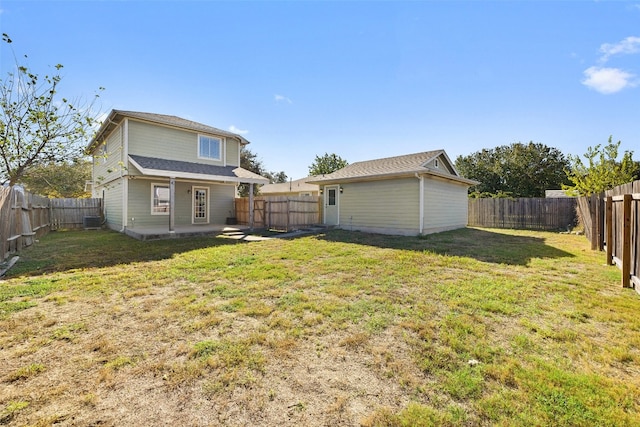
(362, 79)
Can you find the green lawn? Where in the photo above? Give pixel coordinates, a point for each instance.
(471, 327)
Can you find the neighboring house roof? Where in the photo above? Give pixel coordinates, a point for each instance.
(179, 169)
(297, 186)
(556, 194)
(116, 116)
(393, 167)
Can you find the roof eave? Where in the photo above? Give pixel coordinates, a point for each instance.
(404, 174)
(197, 176)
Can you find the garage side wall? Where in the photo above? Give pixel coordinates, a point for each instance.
(445, 205)
(386, 207)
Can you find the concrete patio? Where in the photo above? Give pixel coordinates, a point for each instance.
(180, 231)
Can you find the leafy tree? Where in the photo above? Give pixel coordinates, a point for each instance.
(277, 177)
(36, 125)
(249, 161)
(603, 171)
(516, 170)
(59, 180)
(326, 164)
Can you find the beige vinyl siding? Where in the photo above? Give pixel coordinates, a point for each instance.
(389, 206)
(222, 202)
(232, 152)
(445, 205)
(112, 204)
(221, 199)
(174, 144)
(109, 168)
(139, 212)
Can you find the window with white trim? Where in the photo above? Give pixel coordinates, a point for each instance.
(209, 147)
(160, 199)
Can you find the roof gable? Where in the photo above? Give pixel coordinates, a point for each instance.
(395, 167)
(117, 116)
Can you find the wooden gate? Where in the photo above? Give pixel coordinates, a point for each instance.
(282, 213)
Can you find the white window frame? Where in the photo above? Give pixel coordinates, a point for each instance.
(220, 147)
(153, 187)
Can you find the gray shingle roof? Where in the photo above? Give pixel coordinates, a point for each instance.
(230, 173)
(398, 166)
(409, 163)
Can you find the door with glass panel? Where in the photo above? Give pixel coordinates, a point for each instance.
(200, 203)
(331, 205)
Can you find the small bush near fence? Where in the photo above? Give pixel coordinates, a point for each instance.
(523, 213)
(24, 217)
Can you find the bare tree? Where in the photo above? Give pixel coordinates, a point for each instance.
(36, 125)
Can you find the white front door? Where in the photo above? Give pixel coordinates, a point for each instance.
(331, 205)
(200, 205)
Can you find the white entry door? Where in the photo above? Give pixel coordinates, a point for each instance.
(331, 204)
(200, 203)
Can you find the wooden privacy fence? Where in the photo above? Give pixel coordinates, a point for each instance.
(622, 231)
(523, 213)
(24, 217)
(282, 213)
(75, 213)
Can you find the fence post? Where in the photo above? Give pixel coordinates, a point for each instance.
(594, 222)
(288, 213)
(626, 241)
(600, 218)
(609, 228)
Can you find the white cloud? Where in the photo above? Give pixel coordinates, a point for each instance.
(234, 129)
(628, 46)
(281, 98)
(608, 80)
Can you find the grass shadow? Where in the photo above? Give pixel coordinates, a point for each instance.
(68, 250)
(482, 245)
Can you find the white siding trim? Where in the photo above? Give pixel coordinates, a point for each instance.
(125, 193)
(125, 146)
(125, 183)
(421, 178)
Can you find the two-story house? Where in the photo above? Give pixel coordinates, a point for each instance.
(161, 174)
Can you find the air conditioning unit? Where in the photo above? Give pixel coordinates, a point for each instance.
(91, 222)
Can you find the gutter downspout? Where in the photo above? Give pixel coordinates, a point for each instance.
(172, 205)
(421, 198)
(125, 178)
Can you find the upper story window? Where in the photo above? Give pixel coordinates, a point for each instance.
(209, 147)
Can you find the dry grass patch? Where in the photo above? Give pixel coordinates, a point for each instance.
(472, 327)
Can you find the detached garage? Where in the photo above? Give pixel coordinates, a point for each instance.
(407, 195)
